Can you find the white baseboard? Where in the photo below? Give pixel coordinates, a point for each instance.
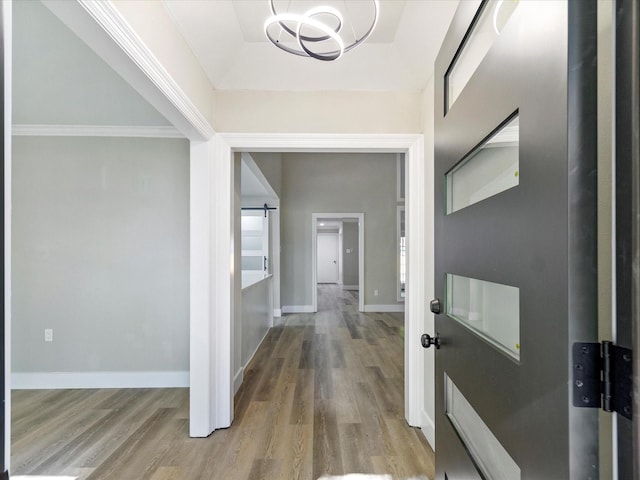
(297, 309)
(277, 312)
(428, 429)
(237, 380)
(65, 380)
(351, 287)
(239, 377)
(384, 308)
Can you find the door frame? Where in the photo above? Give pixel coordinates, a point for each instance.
(211, 358)
(314, 255)
(5, 178)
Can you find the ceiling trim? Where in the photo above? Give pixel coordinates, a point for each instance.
(22, 130)
(115, 25)
(305, 142)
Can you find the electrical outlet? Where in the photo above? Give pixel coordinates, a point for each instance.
(375, 293)
(48, 335)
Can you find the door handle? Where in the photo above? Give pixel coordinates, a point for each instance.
(427, 340)
(434, 306)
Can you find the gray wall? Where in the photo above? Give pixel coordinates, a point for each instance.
(270, 164)
(59, 80)
(100, 254)
(350, 183)
(257, 316)
(350, 260)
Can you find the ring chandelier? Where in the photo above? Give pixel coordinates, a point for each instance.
(292, 24)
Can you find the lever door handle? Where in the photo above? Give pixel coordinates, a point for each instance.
(427, 340)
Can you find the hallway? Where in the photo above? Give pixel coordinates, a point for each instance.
(323, 395)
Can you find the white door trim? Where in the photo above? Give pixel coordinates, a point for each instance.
(421, 264)
(314, 255)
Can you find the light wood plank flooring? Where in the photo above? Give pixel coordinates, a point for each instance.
(323, 395)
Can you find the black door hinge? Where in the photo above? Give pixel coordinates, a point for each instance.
(602, 377)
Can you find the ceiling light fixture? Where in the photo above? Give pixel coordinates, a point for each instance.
(496, 11)
(297, 27)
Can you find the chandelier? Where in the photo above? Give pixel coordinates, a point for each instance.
(315, 33)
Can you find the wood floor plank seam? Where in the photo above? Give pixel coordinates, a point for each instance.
(323, 395)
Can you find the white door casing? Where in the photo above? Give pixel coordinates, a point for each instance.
(419, 258)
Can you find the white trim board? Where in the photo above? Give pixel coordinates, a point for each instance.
(111, 20)
(136, 131)
(298, 309)
(7, 37)
(428, 429)
(238, 379)
(215, 376)
(65, 380)
(384, 308)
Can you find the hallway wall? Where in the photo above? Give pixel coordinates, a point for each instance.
(324, 182)
(101, 256)
(350, 259)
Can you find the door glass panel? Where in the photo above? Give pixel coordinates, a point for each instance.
(489, 309)
(488, 453)
(252, 263)
(252, 243)
(489, 169)
(477, 42)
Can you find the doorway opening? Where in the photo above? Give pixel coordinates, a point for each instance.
(328, 231)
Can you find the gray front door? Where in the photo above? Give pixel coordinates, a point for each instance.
(515, 251)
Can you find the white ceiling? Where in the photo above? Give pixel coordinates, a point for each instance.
(227, 37)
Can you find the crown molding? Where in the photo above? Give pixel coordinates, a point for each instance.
(95, 131)
(115, 25)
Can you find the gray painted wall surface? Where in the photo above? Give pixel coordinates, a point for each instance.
(320, 182)
(350, 260)
(100, 254)
(58, 79)
(270, 164)
(257, 315)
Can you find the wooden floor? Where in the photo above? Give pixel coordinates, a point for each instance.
(323, 395)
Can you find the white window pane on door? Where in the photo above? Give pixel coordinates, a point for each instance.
(252, 243)
(491, 310)
(253, 263)
(486, 450)
(492, 19)
(491, 168)
(251, 223)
